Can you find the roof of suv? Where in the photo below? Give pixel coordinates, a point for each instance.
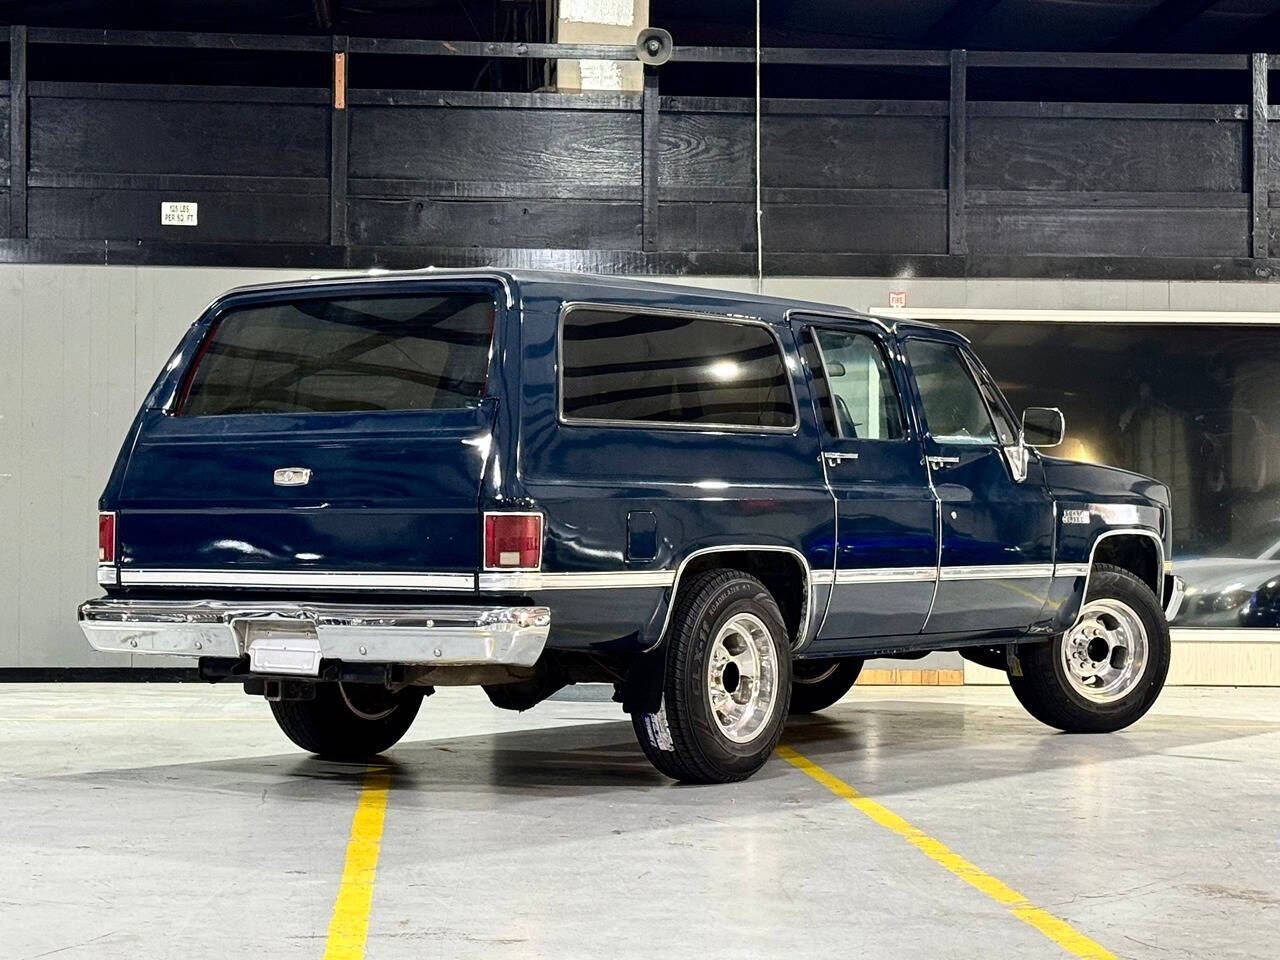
(574, 286)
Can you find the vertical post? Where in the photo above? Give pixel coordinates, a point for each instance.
(1260, 201)
(339, 134)
(649, 159)
(18, 138)
(957, 122)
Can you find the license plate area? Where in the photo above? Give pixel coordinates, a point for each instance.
(288, 647)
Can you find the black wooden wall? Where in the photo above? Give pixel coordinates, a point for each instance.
(638, 183)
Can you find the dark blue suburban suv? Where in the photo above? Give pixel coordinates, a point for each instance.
(343, 493)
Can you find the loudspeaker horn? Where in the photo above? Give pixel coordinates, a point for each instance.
(653, 46)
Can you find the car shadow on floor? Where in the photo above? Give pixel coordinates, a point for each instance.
(880, 747)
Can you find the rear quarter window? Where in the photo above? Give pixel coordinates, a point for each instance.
(625, 367)
(310, 355)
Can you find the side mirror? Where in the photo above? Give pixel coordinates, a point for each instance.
(1043, 426)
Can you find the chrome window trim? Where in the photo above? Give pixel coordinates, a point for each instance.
(318, 579)
(575, 580)
(805, 614)
(569, 305)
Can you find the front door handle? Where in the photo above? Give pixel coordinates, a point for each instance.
(939, 462)
(833, 459)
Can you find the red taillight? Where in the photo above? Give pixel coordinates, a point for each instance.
(512, 541)
(106, 538)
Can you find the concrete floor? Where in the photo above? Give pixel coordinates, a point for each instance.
(176, 821)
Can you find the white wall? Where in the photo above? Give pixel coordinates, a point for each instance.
(81, 345)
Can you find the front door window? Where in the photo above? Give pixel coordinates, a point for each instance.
(953, 406)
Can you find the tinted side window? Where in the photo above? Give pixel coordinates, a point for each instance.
(383, 353)
(652, 368)
(953, 407)
(855, 392)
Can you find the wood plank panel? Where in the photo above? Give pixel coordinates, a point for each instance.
(844, 151)
(861, 228)
(130, 136)
(67, 213)
(1128, 231)
(1023, 153)
(422, 221)
(448, 143)
(706, 150)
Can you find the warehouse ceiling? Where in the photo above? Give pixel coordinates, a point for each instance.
(1118, 25)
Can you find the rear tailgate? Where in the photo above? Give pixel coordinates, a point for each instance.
(318, 441)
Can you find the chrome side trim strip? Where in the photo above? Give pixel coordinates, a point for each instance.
(317, 579)
(1071, 570)
(887, 575)
(589, 580)
(822, 577)
(1013, 571)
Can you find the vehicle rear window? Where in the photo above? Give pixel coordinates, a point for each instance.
(374, 353)
(642, 367)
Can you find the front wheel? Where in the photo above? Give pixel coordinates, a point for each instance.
(726, 684)
(1106, 671)
(352, 721)
(817, 684)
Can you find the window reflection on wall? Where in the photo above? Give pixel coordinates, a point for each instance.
(1197, 407)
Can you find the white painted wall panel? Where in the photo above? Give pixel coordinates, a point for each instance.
(81, 345)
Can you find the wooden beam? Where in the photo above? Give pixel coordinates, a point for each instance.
(19, 139)
(1261, 220)
(957, 124)
(339, 140)
(649, 159)
(1158, 24)
(957, 22)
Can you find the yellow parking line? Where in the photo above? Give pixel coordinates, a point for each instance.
(1056, 929)
(349, 925)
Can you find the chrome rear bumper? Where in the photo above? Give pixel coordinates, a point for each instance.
(286, 637)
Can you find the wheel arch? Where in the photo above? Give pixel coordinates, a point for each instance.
(1135, 549)
(790, 582)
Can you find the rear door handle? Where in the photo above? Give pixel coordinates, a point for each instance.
(939, 462)
(833, 459)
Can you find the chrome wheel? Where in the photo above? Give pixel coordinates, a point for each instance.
(1106, 652)
(742, 678)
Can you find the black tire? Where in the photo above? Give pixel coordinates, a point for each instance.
(1041, 681)
(817, 684)
(683, 739)
(350, 722)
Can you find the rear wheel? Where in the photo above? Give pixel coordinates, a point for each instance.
(817, 684)
(1107, 670)
(348, 721)
(726, 684)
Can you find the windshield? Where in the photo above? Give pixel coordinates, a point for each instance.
(311, 355)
